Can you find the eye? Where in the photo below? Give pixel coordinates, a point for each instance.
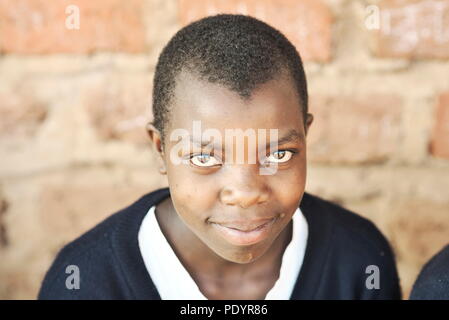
(204, 160)
(280, 156)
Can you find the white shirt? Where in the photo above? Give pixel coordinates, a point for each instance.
(173, 282)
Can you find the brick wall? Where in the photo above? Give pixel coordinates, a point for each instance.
(73, 102)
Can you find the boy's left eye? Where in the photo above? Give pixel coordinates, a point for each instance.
(280, 156)
(204, 160)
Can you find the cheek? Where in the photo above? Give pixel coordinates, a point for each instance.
(297, 179)
(192, 197)
(289, 187)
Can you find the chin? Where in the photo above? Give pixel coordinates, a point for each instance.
(243, 255)
(244, 258)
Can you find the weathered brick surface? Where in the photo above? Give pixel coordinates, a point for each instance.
(307, 23)
(37, 27)
(3, 210)
(413, 29)
(119, 109)
(354, 129)
(21, 114)
(439, 146)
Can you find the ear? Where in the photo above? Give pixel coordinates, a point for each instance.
(156, 140)
(309, 121)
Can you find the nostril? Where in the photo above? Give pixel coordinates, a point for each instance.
(243, 206)
(226, 197)
(243, 198)
(249, 201)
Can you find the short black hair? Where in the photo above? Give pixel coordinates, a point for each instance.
(239, 52)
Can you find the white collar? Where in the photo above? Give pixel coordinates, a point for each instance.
(172, 280)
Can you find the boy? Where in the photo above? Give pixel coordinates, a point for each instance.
(224, 230)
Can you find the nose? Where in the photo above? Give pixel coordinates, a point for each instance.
(246, 187)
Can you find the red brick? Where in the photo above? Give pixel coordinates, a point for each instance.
(413, 29)
(307, 23)
(37, 27)
(439, 145)
(348, 129)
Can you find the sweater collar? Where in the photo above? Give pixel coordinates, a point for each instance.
(124, 242)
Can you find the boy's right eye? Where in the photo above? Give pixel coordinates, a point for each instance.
(204, 160)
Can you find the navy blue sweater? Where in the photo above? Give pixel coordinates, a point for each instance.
(433, 281)
(340, 247)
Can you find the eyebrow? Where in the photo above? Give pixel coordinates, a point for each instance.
(202, 143)
(291, 136)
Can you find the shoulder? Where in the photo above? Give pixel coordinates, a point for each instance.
(433, 280)
(102, 257)
(351, 228)
(81, 260)
(355, 249)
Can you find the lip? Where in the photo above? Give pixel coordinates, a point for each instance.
(241, 237)
(245, 225)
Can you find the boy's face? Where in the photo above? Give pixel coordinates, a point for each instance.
(222, 202)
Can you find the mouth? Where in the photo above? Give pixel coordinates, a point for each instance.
(245, 235)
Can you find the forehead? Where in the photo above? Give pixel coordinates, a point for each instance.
(274, 104)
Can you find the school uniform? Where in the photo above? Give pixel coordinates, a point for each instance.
(333, 254)
(433, 280)
(172, 280)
